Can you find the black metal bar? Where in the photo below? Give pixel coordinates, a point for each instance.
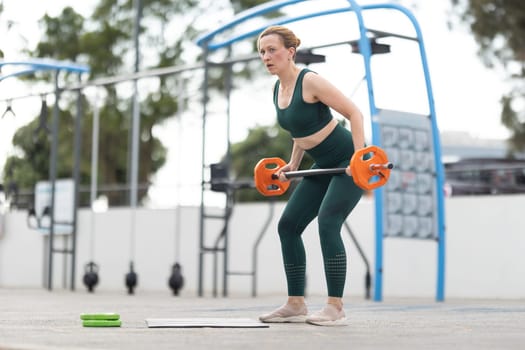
(215, 272)
(63, 251)
(256, 246)
(212, 249)
(311, 172)
(64, 263)
(383, 34)
(224, 250)
(225, 234)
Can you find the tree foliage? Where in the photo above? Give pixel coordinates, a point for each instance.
(499, 29)
(262, 142)
(104, 42)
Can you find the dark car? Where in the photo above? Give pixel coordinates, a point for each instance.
(478, 176)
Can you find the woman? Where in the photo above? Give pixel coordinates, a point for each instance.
(303, 100)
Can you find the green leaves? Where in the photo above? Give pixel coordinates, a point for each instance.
(262, 142)
(499, 29)
(104, 41)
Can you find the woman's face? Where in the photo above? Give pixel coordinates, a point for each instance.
(273, 53)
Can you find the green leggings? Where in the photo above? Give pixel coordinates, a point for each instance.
(330, 198)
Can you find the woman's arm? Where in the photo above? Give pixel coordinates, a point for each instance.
(296, 157)
(293, 164)
(316, 88)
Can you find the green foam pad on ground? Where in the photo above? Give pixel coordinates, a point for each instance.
(101, 323)
(108, 316)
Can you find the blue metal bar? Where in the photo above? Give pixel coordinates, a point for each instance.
(206, 39)
(20, 72)
(35, 65)
(279, 21)
(48, 64)
(366, 51)
(440, 171)
(255, 11)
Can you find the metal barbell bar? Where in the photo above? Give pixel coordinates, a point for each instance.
(368, 174)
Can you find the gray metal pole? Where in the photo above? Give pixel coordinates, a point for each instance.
(203, 161)
(135, 128)
(52, 179)
(135, 147)
(94, 172)
(229, 192)
(134, 167)
(178, 116)
(76, 179)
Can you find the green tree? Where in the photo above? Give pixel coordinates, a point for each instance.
(261, 142)
(104, 42)
(499, 29)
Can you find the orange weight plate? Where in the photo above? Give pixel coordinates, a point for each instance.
(264, 182)
(364, 173)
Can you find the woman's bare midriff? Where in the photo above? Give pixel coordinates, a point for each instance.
(310, 141)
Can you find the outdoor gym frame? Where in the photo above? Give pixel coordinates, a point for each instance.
(208, 44)
(37, 65)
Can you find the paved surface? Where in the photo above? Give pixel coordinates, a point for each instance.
(39, 319)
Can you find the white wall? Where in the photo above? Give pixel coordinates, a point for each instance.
(485, 244)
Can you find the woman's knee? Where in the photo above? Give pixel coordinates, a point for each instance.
(289, 227)
(285, 226)
(330, 230)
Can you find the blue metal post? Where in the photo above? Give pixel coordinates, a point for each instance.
(440, 171)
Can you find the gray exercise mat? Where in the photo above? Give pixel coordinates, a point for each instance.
(204, 323)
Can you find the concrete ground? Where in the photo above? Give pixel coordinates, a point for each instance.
(39, 319)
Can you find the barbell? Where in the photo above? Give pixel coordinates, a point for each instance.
(368, 174)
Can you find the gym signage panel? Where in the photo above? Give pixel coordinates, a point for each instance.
(409, 197)
(63, 205)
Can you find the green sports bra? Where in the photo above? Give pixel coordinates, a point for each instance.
(301, 118)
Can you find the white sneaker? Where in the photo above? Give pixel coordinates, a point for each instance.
(328, 316)
(286, 313)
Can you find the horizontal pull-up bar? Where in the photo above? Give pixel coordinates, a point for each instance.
(205, 40)
(382, 34)
(48, 64)
(280, 21)
(35, 65)
(254, 12)
(156, 72)
(119, 79)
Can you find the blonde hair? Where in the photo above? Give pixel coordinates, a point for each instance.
(288, 38)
